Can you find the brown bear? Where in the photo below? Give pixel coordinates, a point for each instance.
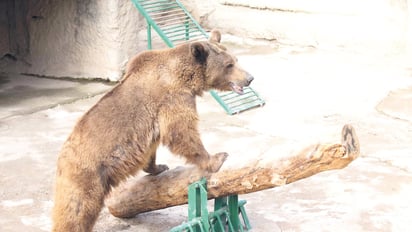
(154, 103)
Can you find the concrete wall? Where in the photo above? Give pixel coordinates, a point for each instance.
(14, 35)
(71, 38)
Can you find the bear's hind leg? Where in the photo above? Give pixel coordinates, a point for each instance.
(76, 206)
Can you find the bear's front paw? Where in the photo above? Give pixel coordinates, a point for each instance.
(217, 161)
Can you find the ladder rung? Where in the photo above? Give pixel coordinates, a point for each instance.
(167, 20)
(174, 19)
(180, 29)
(149, 4)
(186, 33)
(245, 107)
(177, 27)
(240, 98)
(163, 9)
(247, 104)
(172, 23)
(167, 12)
(145, 2)
(236, 96)
(158, 7)
(190, 33)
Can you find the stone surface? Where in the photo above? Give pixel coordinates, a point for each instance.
(398, 104)
(310, 94)
(34, 92)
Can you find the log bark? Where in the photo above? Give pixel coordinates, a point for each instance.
(170, 187)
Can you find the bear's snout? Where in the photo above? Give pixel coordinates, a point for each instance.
(249, 79)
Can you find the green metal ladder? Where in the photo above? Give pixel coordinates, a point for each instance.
(225, 216)
(174, 24)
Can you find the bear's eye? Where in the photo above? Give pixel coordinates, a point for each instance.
(229, 65)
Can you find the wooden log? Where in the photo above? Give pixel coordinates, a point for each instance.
(170, 187)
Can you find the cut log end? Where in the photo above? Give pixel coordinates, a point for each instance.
(350, 141)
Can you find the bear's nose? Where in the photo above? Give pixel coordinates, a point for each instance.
(249, 79)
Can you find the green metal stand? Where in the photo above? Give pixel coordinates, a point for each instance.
(225, 216)
(175, 25)
(234, 103)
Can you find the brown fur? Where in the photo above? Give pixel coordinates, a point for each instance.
(153, 104)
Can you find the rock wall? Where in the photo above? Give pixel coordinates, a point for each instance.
(14, 36)
(73, 38)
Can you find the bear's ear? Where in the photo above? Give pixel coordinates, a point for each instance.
(215, 36)
(199, 51)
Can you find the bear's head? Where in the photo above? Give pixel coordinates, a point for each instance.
(221, 70)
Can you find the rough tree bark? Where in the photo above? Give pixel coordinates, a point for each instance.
(170, 187)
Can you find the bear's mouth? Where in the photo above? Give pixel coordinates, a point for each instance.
(236, 88)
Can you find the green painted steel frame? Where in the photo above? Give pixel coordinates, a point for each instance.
(233, 103)
(152, 24)
(226, 212)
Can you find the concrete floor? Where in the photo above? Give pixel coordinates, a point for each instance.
(310, 94)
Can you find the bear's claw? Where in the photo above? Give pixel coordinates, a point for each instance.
(217, 161)
(159, 169)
